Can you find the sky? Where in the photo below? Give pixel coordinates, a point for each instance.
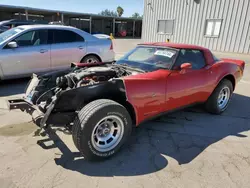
(86, 6)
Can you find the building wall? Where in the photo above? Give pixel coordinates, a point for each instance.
(190, 21)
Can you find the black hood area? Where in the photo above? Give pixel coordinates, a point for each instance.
(74, 99)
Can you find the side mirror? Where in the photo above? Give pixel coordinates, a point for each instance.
(12, 45)
(185, 66)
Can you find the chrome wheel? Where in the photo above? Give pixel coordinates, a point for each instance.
(107, 133)
(223, 97)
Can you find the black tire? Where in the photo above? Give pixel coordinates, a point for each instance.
(86, 121)
(212, 102)
(90, 59)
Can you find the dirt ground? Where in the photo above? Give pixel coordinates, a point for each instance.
(189, 148)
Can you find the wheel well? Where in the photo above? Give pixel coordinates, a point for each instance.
(130, 110)
(129, 107)
(98, 57)
(231, 79)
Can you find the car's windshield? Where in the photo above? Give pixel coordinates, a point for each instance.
(149, 58)
(9, 33)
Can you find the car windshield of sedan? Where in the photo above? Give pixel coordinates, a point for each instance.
(149, 58)
(9, 33)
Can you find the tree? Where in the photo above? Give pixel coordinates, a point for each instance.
(119, 11)
(136, 15)
(108, 13)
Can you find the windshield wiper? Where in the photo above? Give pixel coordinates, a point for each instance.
(131, 67)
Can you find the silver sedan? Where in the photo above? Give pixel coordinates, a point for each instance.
(40, 48)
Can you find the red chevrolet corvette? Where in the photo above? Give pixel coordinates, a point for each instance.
(101, 103)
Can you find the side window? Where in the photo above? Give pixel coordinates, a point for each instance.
(215, 58)
(195, 57)
(33, 38)
(65, 36)
(25, 37)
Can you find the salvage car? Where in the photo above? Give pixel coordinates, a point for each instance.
(102, 103)
(41, 48)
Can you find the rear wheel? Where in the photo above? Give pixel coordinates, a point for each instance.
(90, 59)
(101, 128)
(219, 100)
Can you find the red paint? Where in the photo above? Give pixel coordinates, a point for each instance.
(238, 62)
(225, 67)
(140, 90)
(161, 91)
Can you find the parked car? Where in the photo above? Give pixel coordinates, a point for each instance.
(40, 48)
(103, 103)
(8, 24)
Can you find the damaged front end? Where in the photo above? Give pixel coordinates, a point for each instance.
(55, 98)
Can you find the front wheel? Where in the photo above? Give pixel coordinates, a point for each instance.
(101, 128)
(219, 100)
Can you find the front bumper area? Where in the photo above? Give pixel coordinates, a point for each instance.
(25, 106)
(40, 118)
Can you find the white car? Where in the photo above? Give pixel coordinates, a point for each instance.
(41, 48)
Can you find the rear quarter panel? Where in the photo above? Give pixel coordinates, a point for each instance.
(224, 68)
(101, 47)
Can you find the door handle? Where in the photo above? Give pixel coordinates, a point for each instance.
(43, 51)
(80, 47)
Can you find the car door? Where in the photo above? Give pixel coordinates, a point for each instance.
(32, 55)
(190, 86)
(67, 47)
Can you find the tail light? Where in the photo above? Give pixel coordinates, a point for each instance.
(111, 45)
(243, 65)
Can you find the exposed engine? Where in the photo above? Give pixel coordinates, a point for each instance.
(92, 75)
(44, 88)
